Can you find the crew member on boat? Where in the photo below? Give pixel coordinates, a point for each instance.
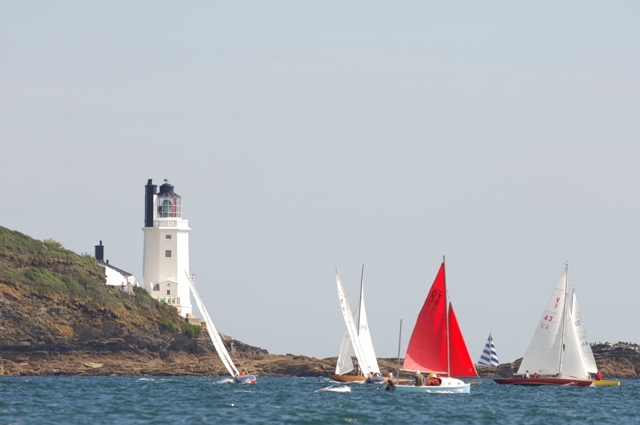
(243, 372)
(433, 380)
(418, 379)
(391, 386)
(598, 376)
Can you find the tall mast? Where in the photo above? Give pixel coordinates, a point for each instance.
(446, 316)
(360, 300)
(564, 312)
(399, 343)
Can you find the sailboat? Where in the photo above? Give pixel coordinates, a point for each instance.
(217, 342)
(437, 345)
(358, 336)
(556, 352)
(489, 356)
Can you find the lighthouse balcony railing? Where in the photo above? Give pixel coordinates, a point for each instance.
(165, 223)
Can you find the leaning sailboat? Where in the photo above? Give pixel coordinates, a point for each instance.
(357, 336)
(218, 343)
(555, 354)
(437, 345)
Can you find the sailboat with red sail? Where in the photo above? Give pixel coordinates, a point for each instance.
(437, 346)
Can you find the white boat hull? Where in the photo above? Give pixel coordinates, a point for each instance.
(449, 385)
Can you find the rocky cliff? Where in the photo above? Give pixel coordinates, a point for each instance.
(58, 317)
(57, 314)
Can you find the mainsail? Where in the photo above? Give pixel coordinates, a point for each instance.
(489, 356)
(424, 352)
(427, 350)
(351, 326)
(213, 333)
(543, 354)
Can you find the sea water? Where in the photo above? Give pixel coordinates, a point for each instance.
(215, 400)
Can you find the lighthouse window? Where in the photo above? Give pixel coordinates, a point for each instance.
(167, 253)
(167, 236)
(168, 291)
(169, 207)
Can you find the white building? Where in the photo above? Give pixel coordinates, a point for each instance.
(115, 276)
(165, 268)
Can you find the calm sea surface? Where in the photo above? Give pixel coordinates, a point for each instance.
(211, 400)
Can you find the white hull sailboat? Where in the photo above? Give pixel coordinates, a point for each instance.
(558, 353)
(218, 343)
(437, 345)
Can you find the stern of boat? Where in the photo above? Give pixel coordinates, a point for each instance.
(246, 379)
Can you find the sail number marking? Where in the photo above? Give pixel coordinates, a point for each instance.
(547, 318)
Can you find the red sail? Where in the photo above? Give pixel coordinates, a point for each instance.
(425, 351)
(461, 363)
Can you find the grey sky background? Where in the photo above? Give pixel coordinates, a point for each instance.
(308, 135)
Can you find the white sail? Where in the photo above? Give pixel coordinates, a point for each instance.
(489, 356)
(213, 333)
(364, 335)
(543, 354)
(344, 364)
(572, 365)
(585, 346)
(351, 326)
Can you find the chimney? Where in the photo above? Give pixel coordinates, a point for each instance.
(149, 193)
(100, 252)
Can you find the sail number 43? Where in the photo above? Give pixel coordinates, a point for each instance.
(547, 318)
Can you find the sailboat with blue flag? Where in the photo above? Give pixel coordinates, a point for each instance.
(489, 356)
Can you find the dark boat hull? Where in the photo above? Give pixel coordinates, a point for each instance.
(544, 381)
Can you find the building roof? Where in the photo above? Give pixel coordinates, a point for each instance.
(122, 272)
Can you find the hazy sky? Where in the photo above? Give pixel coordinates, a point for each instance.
(305, 136)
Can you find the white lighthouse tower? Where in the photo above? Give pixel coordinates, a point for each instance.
(165, 269)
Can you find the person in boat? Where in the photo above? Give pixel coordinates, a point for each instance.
(391, 386)
(526, 374)
(535, 375)
(598, 376)
(418, 379)
(433, 380)
(243, 372)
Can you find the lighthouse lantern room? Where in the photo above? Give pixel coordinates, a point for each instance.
(166, 248)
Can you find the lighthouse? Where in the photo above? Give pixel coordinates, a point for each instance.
(165, 270)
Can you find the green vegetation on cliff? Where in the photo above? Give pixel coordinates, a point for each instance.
(45, 270)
